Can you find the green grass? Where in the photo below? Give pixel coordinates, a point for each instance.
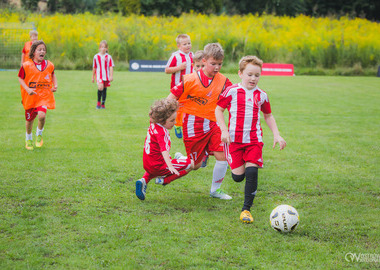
(71, 204)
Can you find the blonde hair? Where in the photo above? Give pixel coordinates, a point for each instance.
(213, 50)
(33, 32)
(181, 36)
(34, 47)
(103, 42)
(198, 55)
(250, 59)
(162, 109)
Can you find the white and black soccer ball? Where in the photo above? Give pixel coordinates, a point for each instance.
(284, 218)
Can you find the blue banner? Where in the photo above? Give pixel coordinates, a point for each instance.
(147, 65)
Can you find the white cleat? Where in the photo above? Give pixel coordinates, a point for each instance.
(220, 195)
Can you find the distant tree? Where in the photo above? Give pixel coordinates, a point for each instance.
(177, 7)
(71, 6)
(31, 5)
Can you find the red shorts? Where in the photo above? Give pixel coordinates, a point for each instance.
(162, 169)
(196, 147)
(105, 83)
(237, 154)
(31, 114)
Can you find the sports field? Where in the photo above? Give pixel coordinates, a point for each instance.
(71, 204)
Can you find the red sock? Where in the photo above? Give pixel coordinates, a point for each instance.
(147, 177)
(171, 178)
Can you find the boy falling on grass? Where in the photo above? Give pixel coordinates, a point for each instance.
(38, 82)
(156, 158)
(243, 138)
(180, 63)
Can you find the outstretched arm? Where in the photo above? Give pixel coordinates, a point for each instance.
(271, 122)
(169, 163)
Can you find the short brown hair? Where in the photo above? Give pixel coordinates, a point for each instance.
(103, 42)
(162, 109)
(34, 47)
(213, 50)
(198, 56)
(181, 36)
(250, 59)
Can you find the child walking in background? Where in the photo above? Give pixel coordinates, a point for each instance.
(25, 51)
(102, 68)
(37, 83)
(156, 158)
(243, 138)
(199, 92)
(179, 64)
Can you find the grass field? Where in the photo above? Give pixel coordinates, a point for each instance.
(71, 204)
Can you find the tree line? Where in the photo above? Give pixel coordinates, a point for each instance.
(369, 9)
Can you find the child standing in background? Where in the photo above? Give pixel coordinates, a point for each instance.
(38, 82)
(156, 158)
(179, 64)
(25, 51)
(102, 68)
(243, 138)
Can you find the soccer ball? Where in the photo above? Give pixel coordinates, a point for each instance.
(284, 218)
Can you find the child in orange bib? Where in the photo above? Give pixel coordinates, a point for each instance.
(37, 83)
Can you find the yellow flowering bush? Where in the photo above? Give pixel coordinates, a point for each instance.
(72, 40)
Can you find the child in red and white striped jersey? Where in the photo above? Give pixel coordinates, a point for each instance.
(102, 70)
(243, 138)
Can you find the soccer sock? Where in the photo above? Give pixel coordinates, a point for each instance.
(104, 95)
(171, 178)
(28, 136)
(99, 95)
(39, 131)
(220, 170)
(251, 174)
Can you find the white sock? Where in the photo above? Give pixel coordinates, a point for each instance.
(28, 136)
(39, 131)
(218, 175)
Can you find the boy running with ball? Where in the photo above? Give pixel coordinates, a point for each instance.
(243, 138)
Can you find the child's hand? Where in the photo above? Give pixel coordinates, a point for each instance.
(280, 141)
(173, 170)
(93, 79)
(54, 89)
(31, 91)
(182, 66)
(111, 78)
(225, 137)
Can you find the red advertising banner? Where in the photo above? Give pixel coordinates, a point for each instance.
(277, 70)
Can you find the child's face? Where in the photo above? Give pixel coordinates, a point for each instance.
(184, 45)
(250, 76)
(170, 121)
(33, 38)
(211, 66)
(198, 65)
(102, 48)
(40, 53)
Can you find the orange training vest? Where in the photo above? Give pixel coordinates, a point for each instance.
(27, 47)
(200, 100)
(42, 82)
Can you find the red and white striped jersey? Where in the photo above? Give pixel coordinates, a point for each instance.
(157, 140)
(244, 108)
(175, 60)
(102, 64)
(194, 125)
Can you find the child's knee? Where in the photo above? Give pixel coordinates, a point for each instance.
(41, 116)
(100, 86)
(238, 177)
